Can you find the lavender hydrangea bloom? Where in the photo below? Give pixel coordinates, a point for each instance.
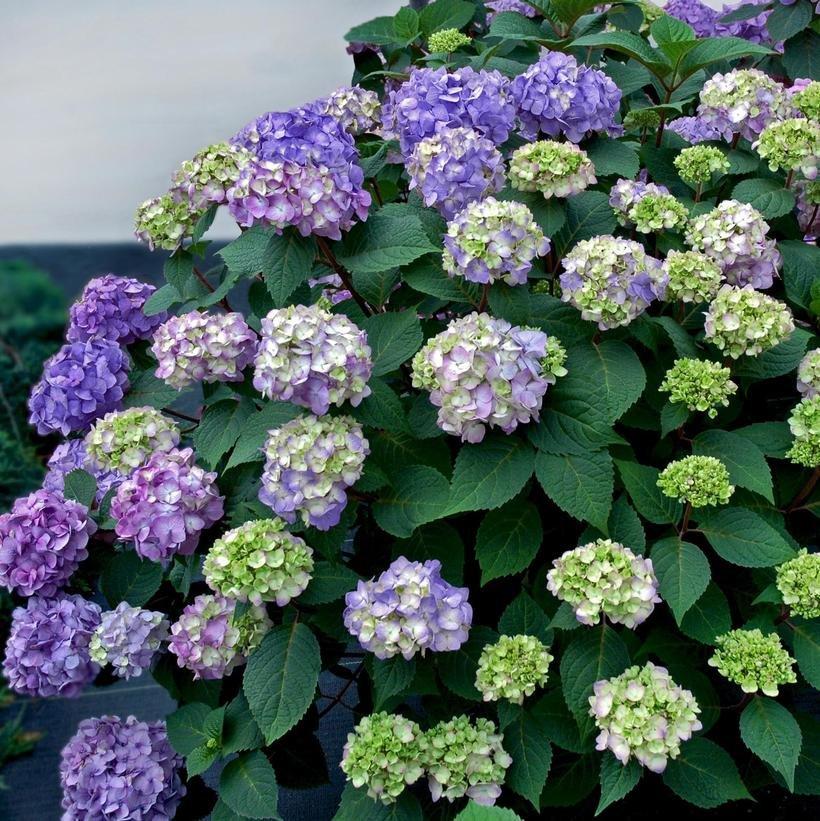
(357, 109)
(165, 505)
(408, 609)
(432, 99)
(312, 358)
(110, 308)
(42, 542)
(707, 22)
(556, 96)
(113, 769)
(203, 347)
(808, 208)
(700, 17)
(454, 167)
(47, 649)
(128, 638)
(82, 381)
(693, 129)
(72, 455)
(497, 6)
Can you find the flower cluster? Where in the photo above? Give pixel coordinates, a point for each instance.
(520, 6)
(647, 206)
(699, 480)
(640, 119)
(693, 277)
(754, 660)
(312, 358)
(693, 129)
(465, 757)
(82, 381)
(209, 639)
(742, 321)
(807, 100)
(808, 374)
(71, 455)
(643, 713)
(625, 195)
(127, 639)
(164, 505)
(309, 464)
(47, 649)
(454, 167)
(111, 308)
(798, 581)
(699, 384)
(808, 207)
(203, 347)
(163, 222)
(605, 577)
(552, 168)
(209, 174)
(697, 164)
(408, 609)
(512, 668)
(708, 22)
(112, 768)
(611, 280)
(384, 753)
(804, 423)
(557, 97)
(447, 41)
(43, 539)
(482, 373)
(493, 240)
(124, 440)
(357, 109)
(259, 561)
(793, 145)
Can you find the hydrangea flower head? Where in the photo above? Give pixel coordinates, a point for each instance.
(492, 240)
(71, 455)
(310, 463)
(699, 384)
(447, 41)
(698, 163)
(640, 119)
(313, 358)
(383, 753)
(804, 423)
(798, 581)
(808, 207)
(625, 195)
(512, 668)
(693, 129)
(702, 19)
(555, 169)
(791, 145)
(497, 6)
(203, 347)
(643, 713)
(807, 100)
(206, 178)
(657, 212)
(356, 108)
(408, 609)
(754, 660)
(47, 649)
(111, 308)
(808, 374)
(693, 276)
(259, 561)
(699, 480)
(43, 539)
(163, 222)
(605, 577)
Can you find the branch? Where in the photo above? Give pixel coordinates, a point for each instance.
(330, 259)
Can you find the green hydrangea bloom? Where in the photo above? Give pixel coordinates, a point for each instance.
(693, 277)
(552, 365)
(259, 561)
(808, 374)
(793, 145)
(164, 223)
(805, 427)
(658, 212)
(209, 173)
(700, 480)
(464, 757)
(125, 440)
(807, 101)
(447, 40)
(384, 754)
(512, 668)
(798, 581)
(641, 118)
(805, 452)
(699, 384)
(555, 169)
(697, 163)
(651, 12)
(754, 660)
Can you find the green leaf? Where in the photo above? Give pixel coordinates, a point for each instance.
(427, 277)
(419, 494)
(746, 464)
(549, 214)
(201, 760)
(708, 617)
(611, 157)
(558, 319)
(771, 733)
(743, 537)
(179, 271)
(281, 677)
(802, 57)
(146, 389)
(683, 573)
(673, 416)
(248, 786)
(524, 616)
(393, 338)
(767, 196)
(126, 577)
(581, 486)
(616, 371)
(490, 473)
(527, 741)
(287, 262)
(185, 727)
(669, 31)
(220, 427)
(240, 731)
(406, 25)
(438, 540)
(786, 21)
(626, 43)
(457, 668)
(629, 76)
(780, 360)
(807, 774)
(704, 775)
(617, 780)
(772, 439)
(588, 214)
(382, 408)
(330, 582)
(641, 483)
(742, 162)
(379, 32)
(716, 50)
(161, 300)
(625, 526)
(801, 262)
(255, 431)
(480, 812)
(80, 486)
(510, 302)
(508, 539)
(807, 649)
(513, 26)
(357, 805)
(391, 677)
(376, 286)
(445, 14)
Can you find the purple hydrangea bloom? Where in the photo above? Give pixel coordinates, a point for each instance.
(113, 770)
(706, 21)
(165, 505)
(454, 167)
(72, 455)
(81, 382)
(408, 609)
(111, 308)
(693, 129)
(42, 542)
(808, 208)
(702, 18)
(47, 649)
(753, 29)
(626, 193)
(497, 6)
(556, 96)
(435, 98)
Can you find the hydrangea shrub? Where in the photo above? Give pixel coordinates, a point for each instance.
(497, 426)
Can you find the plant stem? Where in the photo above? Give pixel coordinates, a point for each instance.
(485, 293)
(684, 525)
(805, 490)
(180, 415)
(201, 277)
(789, 179)
(342, 273)
(337, 699)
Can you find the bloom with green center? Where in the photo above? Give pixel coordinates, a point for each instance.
(658, 212)
(555, 169)
(259, 561)
(793, 145)
(206, 178)
(699, 384)
(464, 757)
(807, 100)
(697, 163)
(164, 223)
(383, 753)
(754, 660)
(125, 440)
(808, 374)
(798, 581)
(693, 277)
(512, 668)
(699, 480)
(805, 427)
(447, 40)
